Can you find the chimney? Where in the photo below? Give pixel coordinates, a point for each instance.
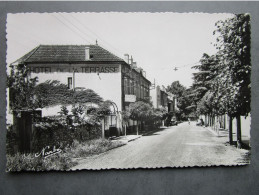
(134, 65)
(126, 58)
(131, 61)
(144, 73)
(87, 53)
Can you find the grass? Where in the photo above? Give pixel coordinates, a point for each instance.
(85, 149)
(61, 161)
(28, 162)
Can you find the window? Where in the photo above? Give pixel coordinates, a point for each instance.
(59, 70)
(125, 85)
(131, 87)
(135, 88)
(128, 86)
(69, 83)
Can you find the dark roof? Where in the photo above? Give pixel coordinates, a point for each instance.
(67, 53)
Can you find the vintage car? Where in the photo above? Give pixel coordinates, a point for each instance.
(173, 122)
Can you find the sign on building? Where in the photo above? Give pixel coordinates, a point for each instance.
(130, 98)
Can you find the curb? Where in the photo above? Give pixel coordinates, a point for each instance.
(127, 140)
(135, 138)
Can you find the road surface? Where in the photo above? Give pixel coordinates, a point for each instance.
(176, 146)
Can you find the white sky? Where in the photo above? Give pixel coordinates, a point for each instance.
(158, 42)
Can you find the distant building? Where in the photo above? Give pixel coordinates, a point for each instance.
(161, 98)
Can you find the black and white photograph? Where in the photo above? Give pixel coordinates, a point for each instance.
(124, 90)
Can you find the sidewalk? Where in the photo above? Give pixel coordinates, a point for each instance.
(129, 138)
(224, 133)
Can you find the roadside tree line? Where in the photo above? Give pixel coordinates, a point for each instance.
(222, 82)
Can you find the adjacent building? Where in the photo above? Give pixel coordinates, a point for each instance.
(90, 67)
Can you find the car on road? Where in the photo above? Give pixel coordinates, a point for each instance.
(200, 122)
(173, 123)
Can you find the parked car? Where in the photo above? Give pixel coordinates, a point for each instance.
(200, 122)
(173, 122)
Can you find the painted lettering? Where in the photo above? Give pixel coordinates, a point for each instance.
(92, 69)
(75, 70)
(100, 69)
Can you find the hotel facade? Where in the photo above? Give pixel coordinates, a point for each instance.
(90, 67)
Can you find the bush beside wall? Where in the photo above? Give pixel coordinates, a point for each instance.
(53, 132)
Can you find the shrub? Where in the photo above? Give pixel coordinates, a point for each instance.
(54, 131)
(97, 146)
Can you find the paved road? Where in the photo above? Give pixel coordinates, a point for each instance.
(177, 146)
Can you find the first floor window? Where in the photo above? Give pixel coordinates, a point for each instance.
(69, 83)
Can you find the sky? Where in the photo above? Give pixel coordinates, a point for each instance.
(158, 42)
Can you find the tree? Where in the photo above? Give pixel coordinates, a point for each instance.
(145, 112)
(140, 111)
(181, 94)
(21, 88)
(202, 88)
(233, 44)
(52, 92)
(176, 88)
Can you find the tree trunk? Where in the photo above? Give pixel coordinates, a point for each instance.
(103, 128)
(213, 122)
(239, 140)
(137, 127)
(224, 121)
(217, 124)
(230, 130)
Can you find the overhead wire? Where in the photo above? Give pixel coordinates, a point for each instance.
(70, 27)
(81, 31)
(87, 28)
(193, 64)
(74, 25)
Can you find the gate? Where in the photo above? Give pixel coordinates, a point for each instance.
(23, 124)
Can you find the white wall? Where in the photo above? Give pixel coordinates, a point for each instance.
(107, 85)
(245, 125)
(153, 94)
